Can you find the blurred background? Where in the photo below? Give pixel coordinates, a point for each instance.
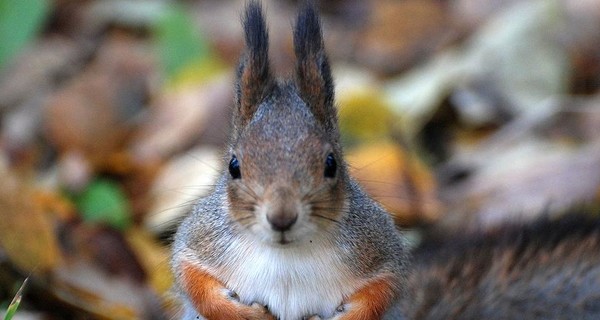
(457, 115)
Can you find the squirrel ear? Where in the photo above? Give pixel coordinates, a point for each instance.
(313, 75)
(253, 75)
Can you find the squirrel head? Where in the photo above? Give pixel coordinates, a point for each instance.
(286, 175)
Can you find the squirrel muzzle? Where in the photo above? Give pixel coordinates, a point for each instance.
(282, 209)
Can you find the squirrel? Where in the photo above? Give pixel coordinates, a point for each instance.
(287, 233)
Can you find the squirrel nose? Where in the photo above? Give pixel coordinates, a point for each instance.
(282, 222)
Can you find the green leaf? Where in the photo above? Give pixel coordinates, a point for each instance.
(14, 304)
(104, 201)
(179, 42)
(20, 21)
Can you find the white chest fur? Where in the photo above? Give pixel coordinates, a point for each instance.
(293, 281)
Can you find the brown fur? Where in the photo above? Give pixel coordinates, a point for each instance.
(284, 132)
(210, 297)
(254, 73)
(372, 301)
(549, 270)
(335, 239)
(313, 74)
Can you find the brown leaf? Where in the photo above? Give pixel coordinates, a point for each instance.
(180, 183)
(94, 113)
(153, 257)
(400, 32)
(102, 276)
(521, 184)
(180, 116)
(398, 180)
(27, 232)
(103, 247)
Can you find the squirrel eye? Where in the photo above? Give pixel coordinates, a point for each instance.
(330, 166)
(234, 168)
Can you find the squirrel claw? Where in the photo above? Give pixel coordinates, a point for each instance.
(259, 307)
(262, 311)
(233, 295)
(341, 309)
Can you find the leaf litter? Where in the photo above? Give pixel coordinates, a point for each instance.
(480, 112)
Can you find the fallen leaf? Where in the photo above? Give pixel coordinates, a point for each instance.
(27, 232)
(364, 115)
(103, 201)
(398, 180)
(179, 116)
(19, 22)
(154, 258)
(181, 182)
(400, 32)
(518, 176)
(94, 113)
(516, 52)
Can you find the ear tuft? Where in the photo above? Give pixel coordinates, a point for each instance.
(254, 79)
(308, 39)
(255, 29)
(313, 74)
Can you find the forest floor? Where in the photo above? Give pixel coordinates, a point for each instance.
(457, 115)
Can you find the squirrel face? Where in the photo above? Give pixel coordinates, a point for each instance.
(286, 171)
(284, 174)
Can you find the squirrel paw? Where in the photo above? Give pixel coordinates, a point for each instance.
(259, 312)
(254, 311)
(339, 311)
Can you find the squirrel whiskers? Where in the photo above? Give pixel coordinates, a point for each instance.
(287, 233)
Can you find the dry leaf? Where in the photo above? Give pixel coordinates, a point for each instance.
(27, 232)
(400, 32)
(398, 180)
(179, 116)
(182, 181)
(153, 257)
(94, 113)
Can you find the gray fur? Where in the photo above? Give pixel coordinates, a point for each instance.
(547, 270)
(283, 132)
(369, 237)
